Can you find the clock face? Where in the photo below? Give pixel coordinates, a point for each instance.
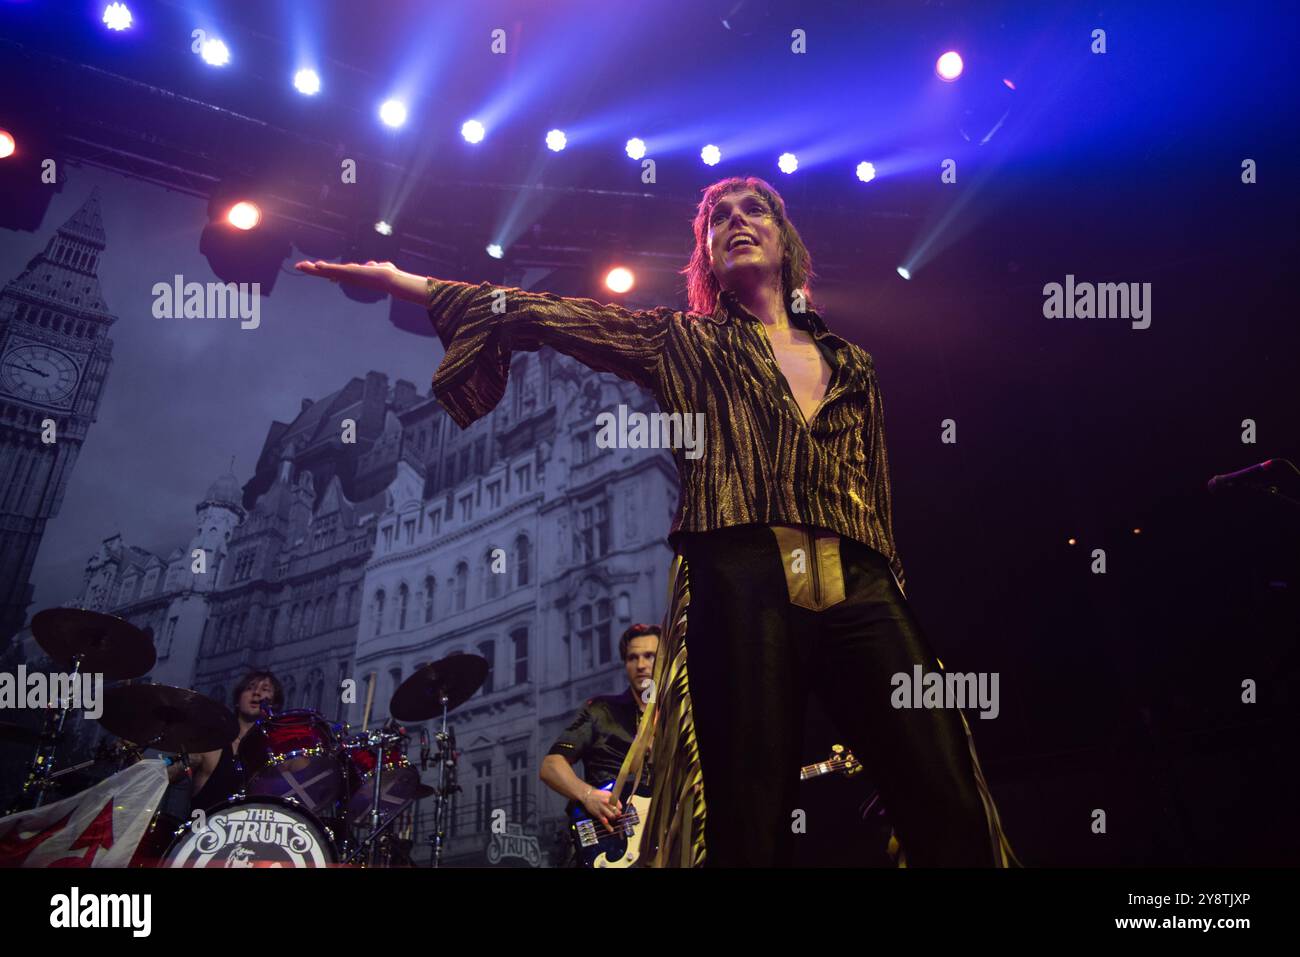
(39, 374)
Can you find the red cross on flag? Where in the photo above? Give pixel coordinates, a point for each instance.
(99, 827)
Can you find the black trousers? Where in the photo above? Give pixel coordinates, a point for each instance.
(754, 656)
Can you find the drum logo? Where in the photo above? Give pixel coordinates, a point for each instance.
(251, 836)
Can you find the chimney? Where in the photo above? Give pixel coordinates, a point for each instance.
(405, 394)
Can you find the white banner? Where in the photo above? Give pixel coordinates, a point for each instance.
(100, 827)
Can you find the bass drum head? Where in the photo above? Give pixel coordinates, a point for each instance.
(253, 832)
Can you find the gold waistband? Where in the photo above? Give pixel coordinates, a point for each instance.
(810, 557)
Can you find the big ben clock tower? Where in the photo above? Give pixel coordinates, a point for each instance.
(54, 356)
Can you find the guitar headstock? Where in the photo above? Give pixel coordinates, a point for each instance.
(844, 761)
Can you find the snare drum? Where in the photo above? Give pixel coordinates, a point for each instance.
(253, 832)
(294, 754)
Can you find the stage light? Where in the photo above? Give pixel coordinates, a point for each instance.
(307, 82)
(711, 155)
(235, 251)
(495, 251)
(473, 131)
(244, 215)
(787, 163)
(866, 172)
(556, 140)
(117, 16)
(26, 142)
(1071, 541)
(619, 279)
(383, 228)
(393, 113)
(215, 52)
(635, 148)
(904, 272)
(949, 66)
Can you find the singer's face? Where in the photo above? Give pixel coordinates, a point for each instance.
(744, 240)
(250, 701)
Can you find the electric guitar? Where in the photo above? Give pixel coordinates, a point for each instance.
(597, 847)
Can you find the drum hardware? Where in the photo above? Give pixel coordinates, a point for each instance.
(81, 642)
(377, 759)
(446, 759)
(434, 689)
(117, 754)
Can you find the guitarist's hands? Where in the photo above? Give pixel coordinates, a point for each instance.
(603, 807)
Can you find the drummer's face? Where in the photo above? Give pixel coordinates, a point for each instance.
(250, 702)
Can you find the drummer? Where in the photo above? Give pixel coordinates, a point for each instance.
(217, 774)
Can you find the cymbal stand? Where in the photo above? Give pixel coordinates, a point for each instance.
(447, 785)
(40, 773)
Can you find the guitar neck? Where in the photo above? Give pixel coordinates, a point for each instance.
(818, 769)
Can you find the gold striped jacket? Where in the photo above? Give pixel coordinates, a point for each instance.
(762, 462)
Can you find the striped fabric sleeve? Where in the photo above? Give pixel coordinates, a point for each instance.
(878, 466)
(481, 325)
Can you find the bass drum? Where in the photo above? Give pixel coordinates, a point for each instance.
(160, 834)
(253, 832)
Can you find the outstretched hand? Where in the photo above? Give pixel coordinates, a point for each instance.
(372, 275)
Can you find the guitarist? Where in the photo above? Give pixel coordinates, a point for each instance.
(602, 733)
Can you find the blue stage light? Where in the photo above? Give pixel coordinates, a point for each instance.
(949, 66)
(307, 82)
(214, 52)
(393, 113)
(117, 16)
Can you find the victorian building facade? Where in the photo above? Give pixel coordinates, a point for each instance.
(520, 541)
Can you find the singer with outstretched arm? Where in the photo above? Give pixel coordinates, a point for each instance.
(785, 579)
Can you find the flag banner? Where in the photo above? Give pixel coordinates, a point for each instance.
(100, 827)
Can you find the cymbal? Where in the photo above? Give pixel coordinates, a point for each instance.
(108, 645)
(419, 697)
(169, 719)
(424, 791)
(11, 733)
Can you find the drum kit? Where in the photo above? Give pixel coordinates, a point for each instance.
(315, 793)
